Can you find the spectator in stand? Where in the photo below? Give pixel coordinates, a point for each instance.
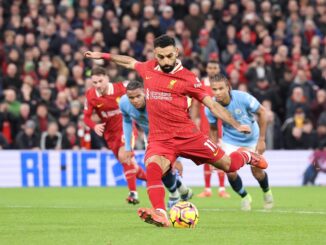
(205, 45)
(51, 138)
(12, 77)
(258, 70)
(42, 118)
(136, 45)
(60, 104)
(240, 65)
(228, 53)
(263, 90)
(230, 33)
(319, 73)
(297, 100)
(63, 120)
(278, 69)
(12, 102)
(28, 138)
(298, 132)
(166, 20)
(274, 137)
(24, 114)
(318, 105)
(245, 44)
(194, 21)
(75, 110)
(69, 137)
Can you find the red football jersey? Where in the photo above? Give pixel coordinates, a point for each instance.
(105, 106)
(167, 99)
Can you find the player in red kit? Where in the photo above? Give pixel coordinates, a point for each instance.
(104, 98)
(172, 133)
(198, 110)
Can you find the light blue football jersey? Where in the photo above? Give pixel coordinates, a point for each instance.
(242, 107)
(130, 113)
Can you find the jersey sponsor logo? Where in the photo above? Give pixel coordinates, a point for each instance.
(172, 83)
(198, 84)
(148, 77)
(154, 95)
(100, 105)
(106, 114)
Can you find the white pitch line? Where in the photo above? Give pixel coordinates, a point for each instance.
(265, 211)
(200, 209)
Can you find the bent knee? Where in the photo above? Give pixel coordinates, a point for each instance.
(232, 175)
(161, 161)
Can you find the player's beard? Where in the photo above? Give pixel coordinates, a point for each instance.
(167, 68)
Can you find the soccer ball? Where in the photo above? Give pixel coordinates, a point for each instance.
(184, 215)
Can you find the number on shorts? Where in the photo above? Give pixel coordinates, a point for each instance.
(210, 145)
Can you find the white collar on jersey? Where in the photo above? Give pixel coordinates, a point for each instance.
(206, 81)
(110, 90)
(177, 68)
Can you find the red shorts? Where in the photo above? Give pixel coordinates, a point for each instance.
(116, 140)
(197, 147)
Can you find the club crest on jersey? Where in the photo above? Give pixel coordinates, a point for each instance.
(117, 100)
(172, 83)
(237, 111)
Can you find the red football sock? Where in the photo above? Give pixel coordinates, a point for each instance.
(141, 174)
(155, 188)
(130, 173)
(238, 159)
(221, 177)
(207, 175)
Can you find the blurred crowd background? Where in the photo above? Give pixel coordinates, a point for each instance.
(274, 49)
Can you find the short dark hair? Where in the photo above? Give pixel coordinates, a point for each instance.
(135, 85)
(218, 78)
(164, 41)
(98, 71)
(221, 78)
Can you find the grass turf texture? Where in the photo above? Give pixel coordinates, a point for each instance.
(101, 216)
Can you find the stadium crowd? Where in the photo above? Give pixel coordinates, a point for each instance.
(274, 49)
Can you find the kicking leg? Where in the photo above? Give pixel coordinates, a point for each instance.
(156, 166)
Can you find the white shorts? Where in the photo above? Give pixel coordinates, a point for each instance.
(228, 148)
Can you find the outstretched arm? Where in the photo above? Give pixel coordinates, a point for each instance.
(220, 112)
(121, 60)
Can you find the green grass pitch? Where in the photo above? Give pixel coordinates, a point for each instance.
(101, 216)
